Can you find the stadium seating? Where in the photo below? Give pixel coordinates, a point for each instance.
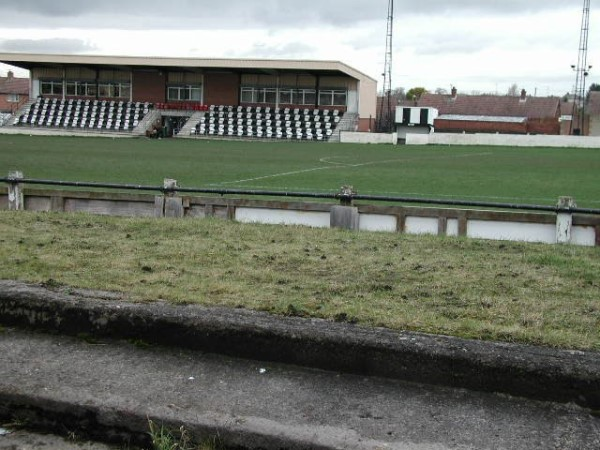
(268, 123)
(100, 115)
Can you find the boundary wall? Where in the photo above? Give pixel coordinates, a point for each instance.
(354, 137)
(507, 140)
(549, 228)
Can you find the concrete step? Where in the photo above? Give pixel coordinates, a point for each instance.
(107, 390)
(226, 372)
(190, 125)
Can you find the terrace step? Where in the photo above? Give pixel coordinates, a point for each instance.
(107, 390)
(190, 125)
(347, 123)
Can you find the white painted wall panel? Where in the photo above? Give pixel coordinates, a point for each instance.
(421, 225)
(283, 217)
(377, 222)
(583, 236)
(452, 227)
(512, 231)
(513, 140)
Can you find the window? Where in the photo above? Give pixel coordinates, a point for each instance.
(258, 95)
(286, 96)
(87, 89)
(307, 97)
(185, 93)
(12, 98)
(105, 90)
(51, 87)
(266, 95)
(247, 95)
(332, 98)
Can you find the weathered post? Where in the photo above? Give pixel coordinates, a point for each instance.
(564, 219)
(173, 203)
(15, 191)
(344, 215)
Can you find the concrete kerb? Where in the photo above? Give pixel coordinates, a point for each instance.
(115, 425)
(527, 371)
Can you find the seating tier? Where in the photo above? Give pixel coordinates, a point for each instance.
(100, 115)
(267, 122)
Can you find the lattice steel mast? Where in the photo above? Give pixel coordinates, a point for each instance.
(385, 118)
(581, 71)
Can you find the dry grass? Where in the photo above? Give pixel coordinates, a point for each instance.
(532, 293)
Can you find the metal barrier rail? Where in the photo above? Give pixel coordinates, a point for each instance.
(345, 196)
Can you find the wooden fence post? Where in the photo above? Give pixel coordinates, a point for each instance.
(173, 204)
(564, 220)
(15, 192)
(345, 215)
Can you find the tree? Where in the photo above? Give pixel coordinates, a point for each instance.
(513, 90)
(441, 91)
(594, 87)
(415, 93)
(399, 93)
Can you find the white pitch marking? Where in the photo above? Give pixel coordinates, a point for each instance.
(333, 165)
(326, 161)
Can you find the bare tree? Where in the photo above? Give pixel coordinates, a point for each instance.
(513, 90)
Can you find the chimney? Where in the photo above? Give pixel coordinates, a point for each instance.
(523, 95)
(454, 92)
(10, 75)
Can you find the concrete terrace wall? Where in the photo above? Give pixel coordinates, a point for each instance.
(515, 226)
(507, 140)
(352, 137)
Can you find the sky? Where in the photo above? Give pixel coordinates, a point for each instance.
(478, 46)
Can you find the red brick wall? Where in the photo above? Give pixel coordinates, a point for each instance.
(458, 126)
(366, 124)
(149, 87)
(221, 89)
(543, 126)
(6, 106)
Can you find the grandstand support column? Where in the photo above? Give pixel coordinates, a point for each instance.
(564, 219)
(15, 192)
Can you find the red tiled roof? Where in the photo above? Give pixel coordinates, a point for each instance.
(492, 105)
(12, 85)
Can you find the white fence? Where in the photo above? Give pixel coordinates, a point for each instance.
(508, 140)
(550, 228)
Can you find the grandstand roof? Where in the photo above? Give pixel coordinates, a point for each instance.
(28, 60)
(12, 85)
(492, 105)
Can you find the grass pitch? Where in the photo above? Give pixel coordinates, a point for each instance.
(532, 293)
(496, 174)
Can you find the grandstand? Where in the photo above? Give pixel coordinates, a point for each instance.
(280, 123)
(84, 114)
(194, 98)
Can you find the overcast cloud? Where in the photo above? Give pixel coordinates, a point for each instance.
(476, 45)
(46, 46)
(232, 13)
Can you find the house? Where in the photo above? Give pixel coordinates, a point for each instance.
(493, 113)
(14, 92)
(592, 113)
